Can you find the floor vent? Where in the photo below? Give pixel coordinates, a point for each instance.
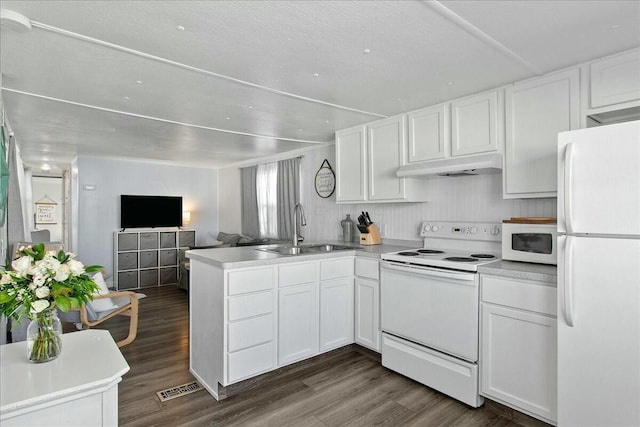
(178, 391)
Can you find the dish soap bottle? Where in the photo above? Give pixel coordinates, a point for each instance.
(347, 229)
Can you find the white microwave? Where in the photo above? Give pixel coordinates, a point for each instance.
(529, 243)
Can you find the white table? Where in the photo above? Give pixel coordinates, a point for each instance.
(79, 388)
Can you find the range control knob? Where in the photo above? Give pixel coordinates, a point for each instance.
(435, 228)
(474, 230)
(426, 228)
(495, 231)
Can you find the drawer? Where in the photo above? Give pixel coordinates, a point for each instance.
(250, 332)
(168, 275)
(168, 257)
(148, 259)
(186, 239)
(369, 268)
(128, 261)
(148, 278)
(527, 295)
(127, 241)
(297, 274)
(336, 268)
(245, 281)
(250, 362)
(148, 240)
(168, 240)
(128, 280)
(244, 306)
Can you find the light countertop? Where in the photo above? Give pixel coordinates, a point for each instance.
(521, 270)
(89, 360)
(245, 256)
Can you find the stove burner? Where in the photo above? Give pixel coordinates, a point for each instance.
(484, 256)
(408, 253)
(430, 251)
(460, 259)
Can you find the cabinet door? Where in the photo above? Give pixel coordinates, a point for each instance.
(474, 124)
(518, 364)
(297, 323)
(428, 133)
(536, 111)
(336, 313)
(367, 313)
(385, 149)
(615, 80)
(351, 165)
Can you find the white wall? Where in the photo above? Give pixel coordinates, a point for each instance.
(99, 209)
(471, 198)
(229, 200)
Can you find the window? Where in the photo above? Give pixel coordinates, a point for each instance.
(269, 193)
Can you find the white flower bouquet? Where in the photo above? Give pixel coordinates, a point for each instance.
(38, 282)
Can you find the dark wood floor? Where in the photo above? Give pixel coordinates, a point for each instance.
(346, 388)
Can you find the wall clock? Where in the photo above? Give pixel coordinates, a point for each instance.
(325, 180)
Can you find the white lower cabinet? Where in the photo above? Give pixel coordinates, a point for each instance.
(367, 304)
(367, 313)
(336, 313)
(297, 322)
(518, 354)
(248, 321)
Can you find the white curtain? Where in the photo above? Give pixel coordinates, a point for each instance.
(267, 195)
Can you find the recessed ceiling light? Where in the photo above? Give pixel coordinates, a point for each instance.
(615, 27)
(326, 121)
(299, 130)
(316, 75)
(139, 82)
(250, 107)
(180, 28)
(450, 83)
(366, 51)
(127, 98)
(45, 167)
(228, 118)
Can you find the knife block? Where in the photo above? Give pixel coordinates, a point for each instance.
(372, 237)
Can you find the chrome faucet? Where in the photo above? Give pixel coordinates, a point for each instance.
(303, 222)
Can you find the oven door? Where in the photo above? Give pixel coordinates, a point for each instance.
(433, 307)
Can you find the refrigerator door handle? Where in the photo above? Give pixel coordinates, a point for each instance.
(567, 282)
(568, 169)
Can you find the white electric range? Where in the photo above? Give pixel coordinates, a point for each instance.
(430, 306)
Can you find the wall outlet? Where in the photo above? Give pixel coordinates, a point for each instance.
(383, 229)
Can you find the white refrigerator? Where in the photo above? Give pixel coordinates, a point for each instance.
(599, 276)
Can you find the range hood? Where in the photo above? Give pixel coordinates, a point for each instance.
(454, 166)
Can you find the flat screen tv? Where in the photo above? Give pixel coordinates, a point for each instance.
(150, 211)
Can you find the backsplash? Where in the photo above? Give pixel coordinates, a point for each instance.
(467, 198)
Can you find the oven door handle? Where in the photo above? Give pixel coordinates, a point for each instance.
(427, 271)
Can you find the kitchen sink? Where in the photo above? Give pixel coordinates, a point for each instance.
(306, 249)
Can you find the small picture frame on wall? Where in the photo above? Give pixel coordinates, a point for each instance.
(46, 211)
(325, 181)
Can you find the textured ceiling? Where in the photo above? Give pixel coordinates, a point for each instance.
(249, 79)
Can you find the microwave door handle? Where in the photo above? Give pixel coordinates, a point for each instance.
(568, 169)
(568, 282)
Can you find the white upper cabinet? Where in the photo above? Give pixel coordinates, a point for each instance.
(367, 159)
(429, 133)
(474, 124)
(615, 80)
(385, 146)
(536, 110)
(351, 165)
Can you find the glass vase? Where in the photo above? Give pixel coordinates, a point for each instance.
(44, 337)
